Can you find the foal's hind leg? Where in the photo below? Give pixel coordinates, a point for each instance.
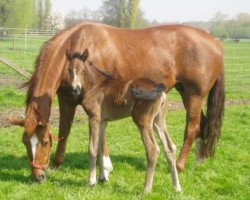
(193, 108)
(67, 113)
(169, 146)
(143, 117)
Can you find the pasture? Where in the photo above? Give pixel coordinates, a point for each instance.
(226, 176)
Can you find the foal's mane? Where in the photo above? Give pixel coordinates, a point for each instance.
(78, 55)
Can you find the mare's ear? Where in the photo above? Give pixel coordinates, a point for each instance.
(68, 54)
(85, 55)
(15, 121)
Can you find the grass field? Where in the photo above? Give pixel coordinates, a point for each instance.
(226, 176)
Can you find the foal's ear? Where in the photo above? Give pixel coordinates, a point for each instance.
(68, 54)
(85, 55)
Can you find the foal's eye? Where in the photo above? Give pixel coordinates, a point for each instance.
(83, 71)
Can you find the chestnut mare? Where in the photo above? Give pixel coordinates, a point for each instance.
(106, 98)
(178, 56)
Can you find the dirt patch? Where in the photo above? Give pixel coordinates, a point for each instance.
(10, 81)
(81, 116)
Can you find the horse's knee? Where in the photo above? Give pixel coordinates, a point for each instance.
(152, 154)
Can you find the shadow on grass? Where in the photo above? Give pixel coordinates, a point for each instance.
(11, 166)
(81, 161)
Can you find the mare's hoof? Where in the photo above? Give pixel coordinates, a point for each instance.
(180, 167)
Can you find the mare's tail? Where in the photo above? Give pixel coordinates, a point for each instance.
(143, 94)
(212, 122)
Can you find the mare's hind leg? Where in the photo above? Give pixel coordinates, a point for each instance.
(200, 139)
(143, 115)
(67, 113)
(168, 145)
(193, 108)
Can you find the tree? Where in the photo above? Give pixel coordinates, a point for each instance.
(43, 10)
(110, 12)
(122, 13)
(83, 14)
(17, 13)
(55, 21)
(133, 13)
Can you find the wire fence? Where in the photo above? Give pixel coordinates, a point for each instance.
(23, 45)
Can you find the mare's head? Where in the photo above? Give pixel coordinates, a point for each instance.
(38, 142)
(83, 73)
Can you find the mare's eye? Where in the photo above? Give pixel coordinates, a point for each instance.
(45, 141)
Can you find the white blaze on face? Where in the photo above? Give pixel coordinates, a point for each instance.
(34, 142)
(76, 80)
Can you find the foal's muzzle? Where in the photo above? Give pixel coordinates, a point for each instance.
(76, 91)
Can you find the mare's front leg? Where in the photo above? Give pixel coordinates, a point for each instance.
(67, 113)
(94, 130)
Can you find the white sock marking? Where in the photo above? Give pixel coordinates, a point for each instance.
(107, 166)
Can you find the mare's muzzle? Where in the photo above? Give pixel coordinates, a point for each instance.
(40, 178)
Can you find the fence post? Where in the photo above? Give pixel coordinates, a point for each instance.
(25, 39)
(14, 44)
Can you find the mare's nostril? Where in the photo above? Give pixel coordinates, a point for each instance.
(41, 177)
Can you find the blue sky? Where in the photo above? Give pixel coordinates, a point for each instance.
(169, 10)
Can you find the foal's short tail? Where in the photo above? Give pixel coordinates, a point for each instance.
(210, 131)
(143, 94)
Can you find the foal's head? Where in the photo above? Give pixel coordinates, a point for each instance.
(83, 72)
(77, 69)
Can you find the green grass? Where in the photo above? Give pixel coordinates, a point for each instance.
(226, 176)
(11, 97)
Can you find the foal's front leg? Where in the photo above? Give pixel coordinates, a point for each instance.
(105, 165)
(94, 129)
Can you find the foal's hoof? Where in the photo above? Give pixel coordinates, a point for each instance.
(92, 185)
(178, 189)
(102, 179)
